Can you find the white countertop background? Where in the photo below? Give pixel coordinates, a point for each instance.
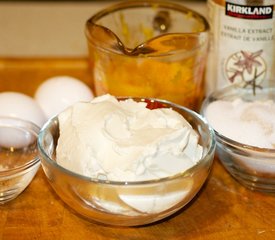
(52, 29)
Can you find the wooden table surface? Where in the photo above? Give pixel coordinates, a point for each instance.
(223, 209)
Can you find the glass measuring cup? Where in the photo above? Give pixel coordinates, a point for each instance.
(149, 49)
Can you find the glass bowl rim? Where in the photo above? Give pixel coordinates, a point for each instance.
(186, 173)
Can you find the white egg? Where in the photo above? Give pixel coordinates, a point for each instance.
(57, 93)
(16, 133)
(19, 105)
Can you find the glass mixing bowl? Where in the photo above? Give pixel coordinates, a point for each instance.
(128, 203)
(252, 166)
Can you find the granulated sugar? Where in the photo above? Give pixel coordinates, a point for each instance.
(251, 123)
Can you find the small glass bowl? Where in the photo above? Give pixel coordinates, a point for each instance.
(18, 153)
(253, 167)
(127, 203)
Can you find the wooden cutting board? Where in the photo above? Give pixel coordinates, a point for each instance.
(223, 209)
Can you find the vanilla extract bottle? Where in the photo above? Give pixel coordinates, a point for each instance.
(242, 49)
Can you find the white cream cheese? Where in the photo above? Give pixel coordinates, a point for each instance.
(125, 141)
(251, 123)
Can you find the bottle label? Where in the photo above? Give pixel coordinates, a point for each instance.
(243, 44)
(248, 12)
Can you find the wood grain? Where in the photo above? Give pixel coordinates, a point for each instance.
(25, 75)
(223, 209)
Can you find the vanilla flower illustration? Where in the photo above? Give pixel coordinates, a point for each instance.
(249, 60)
(247, 68)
